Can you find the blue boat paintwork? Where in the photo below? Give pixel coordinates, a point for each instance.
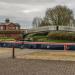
(37, 46)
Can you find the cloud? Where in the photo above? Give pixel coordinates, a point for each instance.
(31, 10)
(29, 1)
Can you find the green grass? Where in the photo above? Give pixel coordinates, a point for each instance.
(45, 38)
(6, 39)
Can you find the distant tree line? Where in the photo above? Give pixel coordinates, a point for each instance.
(59, 15)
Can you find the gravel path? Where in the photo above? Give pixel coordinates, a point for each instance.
(36, 67)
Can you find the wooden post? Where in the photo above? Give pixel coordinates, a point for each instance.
(13, 53)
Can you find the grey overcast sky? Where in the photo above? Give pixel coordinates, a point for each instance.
(23, 11)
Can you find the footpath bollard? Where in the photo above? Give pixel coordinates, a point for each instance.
(65, 47)
(13, 53)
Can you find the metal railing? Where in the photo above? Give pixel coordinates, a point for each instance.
(51, 28)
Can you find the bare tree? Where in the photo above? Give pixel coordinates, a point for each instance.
(59, 15)
(45, 22)
(36, 22)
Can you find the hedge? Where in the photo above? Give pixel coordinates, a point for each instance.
(62, 36)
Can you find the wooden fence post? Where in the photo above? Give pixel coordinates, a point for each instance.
(13, 53)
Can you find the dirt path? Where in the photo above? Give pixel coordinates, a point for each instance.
(38, 54)
(7, 52)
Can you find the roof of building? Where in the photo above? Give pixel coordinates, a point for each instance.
(7, 22)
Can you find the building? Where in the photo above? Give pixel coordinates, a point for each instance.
(9, 29)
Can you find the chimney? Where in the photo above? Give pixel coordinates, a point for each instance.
(7, 20)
